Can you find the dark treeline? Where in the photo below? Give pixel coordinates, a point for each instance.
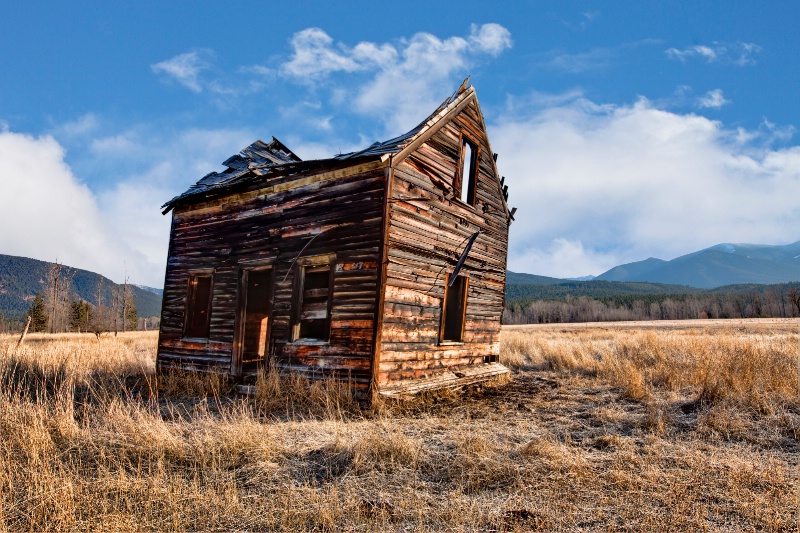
(772, 301)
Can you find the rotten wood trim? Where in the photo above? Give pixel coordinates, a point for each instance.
(384, 273)
(164, 308)
(230, 197)
(492, 159)
(435, 124)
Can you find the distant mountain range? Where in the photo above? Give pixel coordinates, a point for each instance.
(160, 292)
(717, 266)
(723, 264)
(21, 278)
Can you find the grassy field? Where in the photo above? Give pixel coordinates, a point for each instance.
(681, 426)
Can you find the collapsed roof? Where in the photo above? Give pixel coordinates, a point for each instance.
(274, 158)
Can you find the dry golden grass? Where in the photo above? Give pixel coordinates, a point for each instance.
(602, 427)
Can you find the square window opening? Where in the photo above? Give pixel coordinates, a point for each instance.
(313, 320)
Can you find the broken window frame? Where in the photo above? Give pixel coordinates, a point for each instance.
(469, 194)
(191, 328)
(306, 265)
(450, 306)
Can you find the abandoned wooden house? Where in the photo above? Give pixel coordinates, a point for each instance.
(385, 267)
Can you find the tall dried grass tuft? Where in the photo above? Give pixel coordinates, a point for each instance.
(295, 395)
(193, 383)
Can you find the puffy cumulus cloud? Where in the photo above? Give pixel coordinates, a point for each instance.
(47, 213)
(406, 79)
(739, 53)
(147, 169)
(315, 55)
(50, 214)
(185, 68)
(490, 38)
(713, 99)
(602, 185)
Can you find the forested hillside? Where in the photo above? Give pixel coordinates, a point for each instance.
(22, 278)
(597, 289)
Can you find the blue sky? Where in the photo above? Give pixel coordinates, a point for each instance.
(625, 130)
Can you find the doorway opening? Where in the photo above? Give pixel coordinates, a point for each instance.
(256, 320)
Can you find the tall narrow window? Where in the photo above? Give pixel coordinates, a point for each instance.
(468, 170)
(454, 310)
(312, 321)
(198, 306)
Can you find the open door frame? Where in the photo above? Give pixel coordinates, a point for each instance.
(241, 315)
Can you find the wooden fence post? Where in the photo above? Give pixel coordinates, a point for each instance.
(24, 332)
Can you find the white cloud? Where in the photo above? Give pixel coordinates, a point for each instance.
(566, 257)
(47, 213)
(595, 59)
(315, 56)
(83, 125)
(713, 99)
(730, 53)
(115, 145)
(490, 38)
(50, 214)
(603, 185)
(185, 68)
(406, 79)
(584, 21)
(775, 133)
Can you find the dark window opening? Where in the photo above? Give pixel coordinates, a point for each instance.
(454, 310)
(468, 169)
(313, 322)
(256, 316)
(198, 307)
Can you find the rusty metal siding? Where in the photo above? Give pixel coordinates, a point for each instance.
(273, 219)
(428, 229)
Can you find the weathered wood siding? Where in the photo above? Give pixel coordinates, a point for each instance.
(273, 220)
(427, 232)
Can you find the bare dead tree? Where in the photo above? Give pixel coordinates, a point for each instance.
(124, 302)
(59, 283)
(53, 276)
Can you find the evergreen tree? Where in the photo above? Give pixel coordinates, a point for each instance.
(81, 315)
(38, 314)
(131, 314)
